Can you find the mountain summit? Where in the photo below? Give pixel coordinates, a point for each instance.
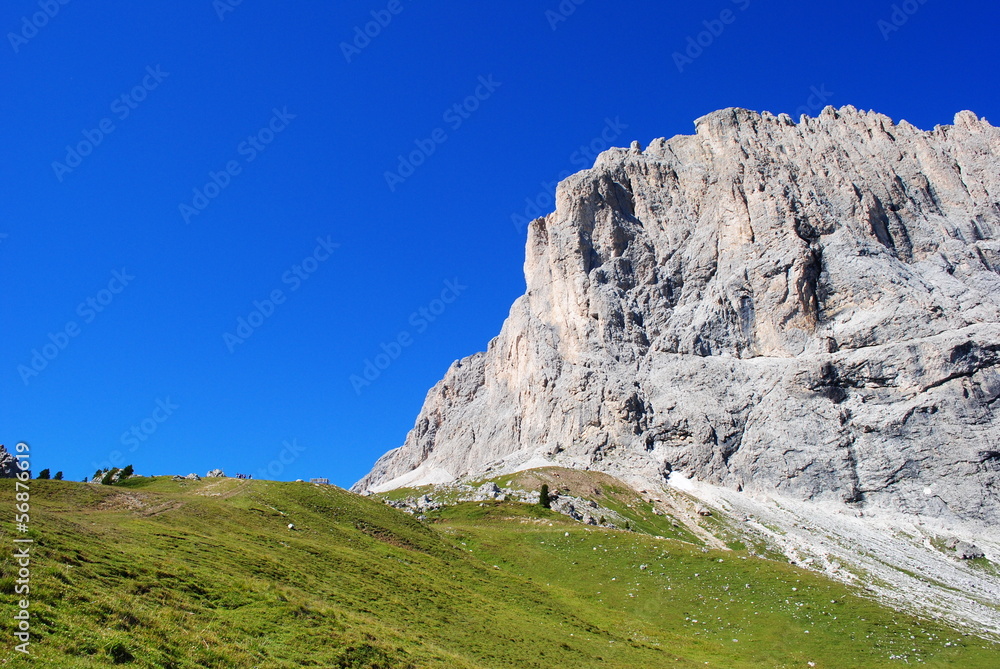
(808, 309)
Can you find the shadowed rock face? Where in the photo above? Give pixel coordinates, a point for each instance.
(810, 309)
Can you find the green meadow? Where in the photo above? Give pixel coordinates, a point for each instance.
(175, 574)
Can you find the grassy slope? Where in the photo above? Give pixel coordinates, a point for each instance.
(159, 573)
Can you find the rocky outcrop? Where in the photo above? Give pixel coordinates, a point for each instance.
(967, 551)
(8, 464)
(579, 509)
(964, 549)
(810, 309)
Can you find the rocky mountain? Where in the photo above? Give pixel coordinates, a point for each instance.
(809, 309)
(8, 464)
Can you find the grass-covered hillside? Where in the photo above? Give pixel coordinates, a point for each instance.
(170, 574)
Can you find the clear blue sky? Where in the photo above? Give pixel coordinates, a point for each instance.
(299, 132)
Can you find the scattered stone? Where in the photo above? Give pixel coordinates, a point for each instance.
(489, 491)
(967, 551)
(457, 492)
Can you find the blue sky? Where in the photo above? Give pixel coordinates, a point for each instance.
(170, 170)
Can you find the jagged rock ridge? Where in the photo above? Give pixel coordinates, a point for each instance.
(810, 309)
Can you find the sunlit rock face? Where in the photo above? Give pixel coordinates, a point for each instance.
(810, 309)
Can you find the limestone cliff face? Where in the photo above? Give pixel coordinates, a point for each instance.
(806, 308)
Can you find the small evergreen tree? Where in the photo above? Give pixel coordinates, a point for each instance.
(85, 479)
(58, 476)
(109, 477)
(44, 474)
(543, 497)
(126, 473)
